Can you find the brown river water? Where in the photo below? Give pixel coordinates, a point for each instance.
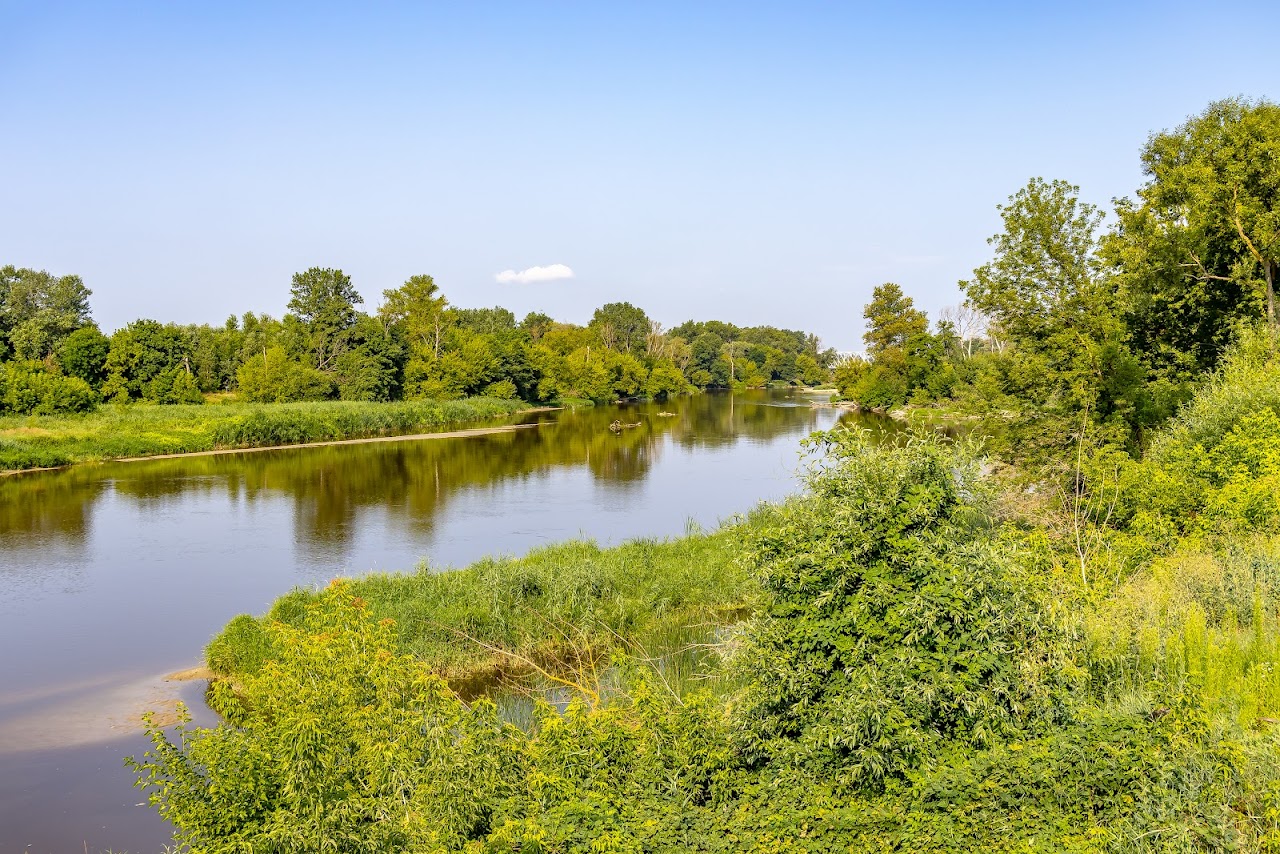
(115, 575)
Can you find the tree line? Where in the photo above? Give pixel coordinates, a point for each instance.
(416, 345)
(1072, 323)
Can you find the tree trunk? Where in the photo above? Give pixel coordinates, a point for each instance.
(1270, 268)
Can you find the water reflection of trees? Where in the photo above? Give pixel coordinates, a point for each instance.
(330, 486)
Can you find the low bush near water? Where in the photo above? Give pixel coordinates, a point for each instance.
(32, 388)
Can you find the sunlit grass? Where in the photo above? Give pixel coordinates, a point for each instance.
(661, 603)
(1197, 620)
(114, 432)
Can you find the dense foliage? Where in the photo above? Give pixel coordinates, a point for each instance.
(925, 670)
(1069, 330)
(415, 347)
(895, 622)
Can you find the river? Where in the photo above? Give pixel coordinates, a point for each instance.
(115, 575)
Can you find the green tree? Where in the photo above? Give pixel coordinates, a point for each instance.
(1200, 250)
(707, 363)
(1046, 289)
(325, 301)
(807, 371)
(487, 321)
(272, 377)
(1046, 277)
(143, 361)
(84, 354)
(892, 320)
(622, 327)
(418, 308)
(39, 310)
(666, 380)
(536, 324)
(369, 369)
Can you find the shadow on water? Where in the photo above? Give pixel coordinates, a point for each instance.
(126, 570)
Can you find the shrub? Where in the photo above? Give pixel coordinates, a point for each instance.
(1217, 466)
(350, 747)
(272, 377)
(895, 621)
(30, 388)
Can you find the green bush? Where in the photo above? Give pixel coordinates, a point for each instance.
(895, 621)
(1217, 466)
(272, 377)
(30, 388)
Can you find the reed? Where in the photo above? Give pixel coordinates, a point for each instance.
(476, 624)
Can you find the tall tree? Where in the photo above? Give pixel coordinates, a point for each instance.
(39, 310)
(536, 324)
(1045, 277)
(892, 320)
(1201, 248)
(325, 301)
(622, 327)
(418, 308)
(1045, 287)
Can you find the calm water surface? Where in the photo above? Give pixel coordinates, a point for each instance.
(115, 575)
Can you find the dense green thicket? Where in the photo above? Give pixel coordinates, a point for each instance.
(1071, 329)
(115, 431)
(897, 623)
(28, 387)
(415, 347)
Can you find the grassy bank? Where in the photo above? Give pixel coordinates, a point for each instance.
(115, 432)
(555, 604)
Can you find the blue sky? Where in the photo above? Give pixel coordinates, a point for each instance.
(758, 163)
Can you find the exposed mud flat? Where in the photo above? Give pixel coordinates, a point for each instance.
(96, 710)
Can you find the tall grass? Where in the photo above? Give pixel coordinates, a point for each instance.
(113, 432)
(1196, 620)
(551, 608)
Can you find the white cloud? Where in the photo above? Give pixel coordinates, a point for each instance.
(550, 273)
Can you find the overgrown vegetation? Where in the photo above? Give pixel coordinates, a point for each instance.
(1073, 322)
(114, 432)
(929, 649)
(472, 623)
(926, 669)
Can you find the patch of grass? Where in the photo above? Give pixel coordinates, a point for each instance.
(1200, 620)
(113, 431)
(658, 595)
